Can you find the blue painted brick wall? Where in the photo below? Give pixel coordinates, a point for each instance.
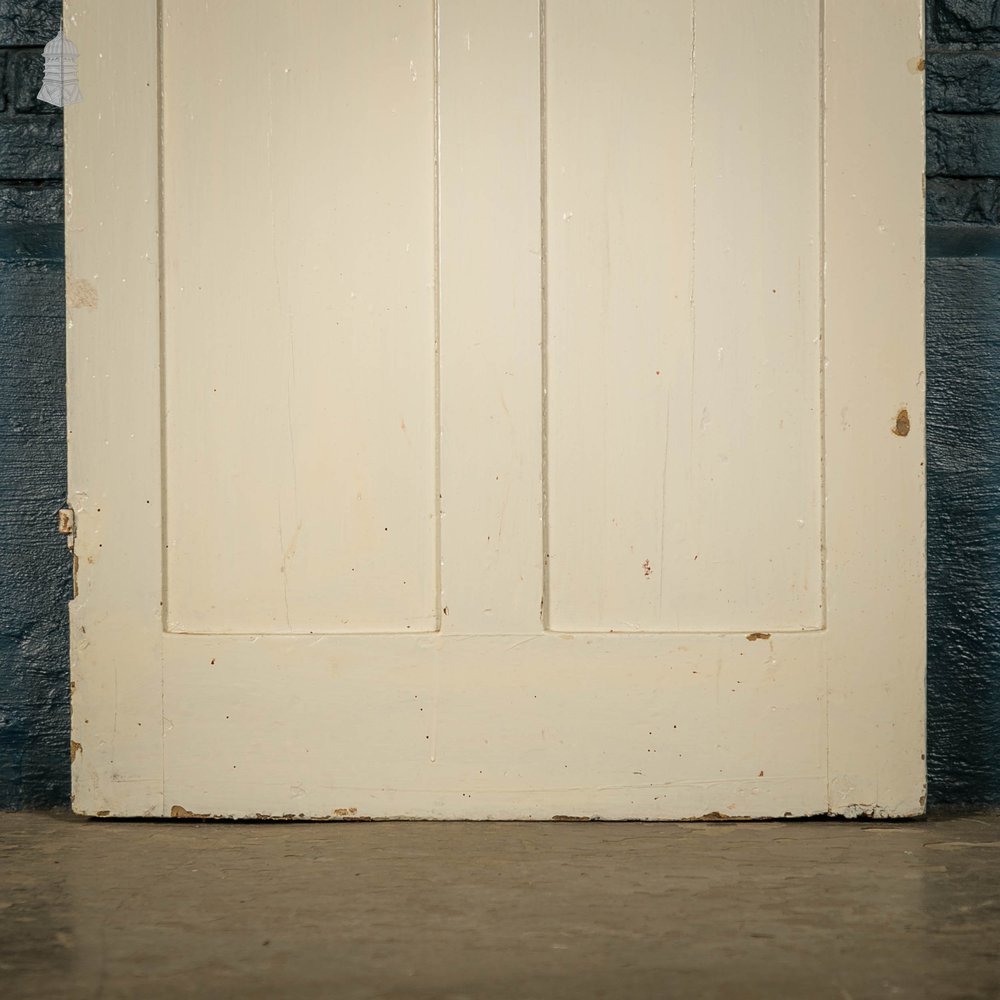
(963, 400)
(34, 563)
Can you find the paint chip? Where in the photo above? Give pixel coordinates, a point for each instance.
(179, 812)
(902, 425)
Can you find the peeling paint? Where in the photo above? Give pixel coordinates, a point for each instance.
(179, 812)
(754, 636)
(74, 749)
(902, 425)
(869, 810)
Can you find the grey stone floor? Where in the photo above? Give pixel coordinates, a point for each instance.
(444, 911)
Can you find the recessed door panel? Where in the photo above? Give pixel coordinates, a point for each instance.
(299, 316)
(684, 319)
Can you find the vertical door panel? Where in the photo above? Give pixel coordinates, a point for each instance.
(299, 316)
(684, 315)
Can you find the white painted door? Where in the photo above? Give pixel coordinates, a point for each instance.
(497, 409)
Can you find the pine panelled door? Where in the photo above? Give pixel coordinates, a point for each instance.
(497, 409)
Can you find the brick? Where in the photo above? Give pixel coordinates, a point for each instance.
(963, 145)
(963, 241)
(962, 296)
(25, 73)
(31, 289)
(34, 241)
(28, 22)
(28, 204)
(31, 146)
(966, 21)
(39, 447)
(35, 348)
(963, 421)
(967, 201)
(963, 81)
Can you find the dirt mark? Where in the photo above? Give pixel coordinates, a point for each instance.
(81, 294)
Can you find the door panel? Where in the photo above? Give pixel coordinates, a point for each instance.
(299, 317)
(684, 316)
(498, 413)
(496, 727)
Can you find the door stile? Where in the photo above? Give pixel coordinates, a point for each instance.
(490, 318)
(114, 419)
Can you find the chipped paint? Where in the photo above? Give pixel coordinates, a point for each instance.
(179, 812)
(901, 427)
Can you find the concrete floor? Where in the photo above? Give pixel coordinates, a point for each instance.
(422, 911)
